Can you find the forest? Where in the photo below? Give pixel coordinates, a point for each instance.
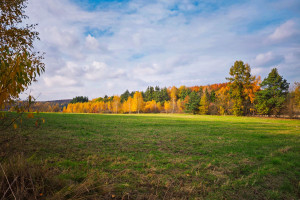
(243, 94)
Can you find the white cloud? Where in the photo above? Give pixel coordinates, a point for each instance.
(91, 42)
(267, 59)
(97, 70)
(258, 71)
(142, 71)
(58, 81)
(284, 31)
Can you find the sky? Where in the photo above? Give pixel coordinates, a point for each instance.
(98, 47)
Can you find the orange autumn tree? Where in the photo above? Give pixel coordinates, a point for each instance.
(127, 105)
(150, 107)
(101, 107)
(250, 92)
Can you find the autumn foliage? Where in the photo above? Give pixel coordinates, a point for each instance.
(210, 99)
(20, 64)
(237, 97)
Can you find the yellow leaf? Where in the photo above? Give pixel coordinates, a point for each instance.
(15, 126)
(43, 120)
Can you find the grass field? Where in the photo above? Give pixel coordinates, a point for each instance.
(156, 156)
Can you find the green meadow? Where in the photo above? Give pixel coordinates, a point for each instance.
(159, 156)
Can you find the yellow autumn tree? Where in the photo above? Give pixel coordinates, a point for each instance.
(69, 108)
(223, 100)
(138, 102)
(101, 107)
(159, 107)
(116, 104)
(150, 107)
(109, 106)
(93, 107)
(180, 106)
(167, 106)
(20, 65)
(153, 106)
(203, 108)
(173, 95)
(127, 105)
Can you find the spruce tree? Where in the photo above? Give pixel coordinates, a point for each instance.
(192, 106)
(270, 100)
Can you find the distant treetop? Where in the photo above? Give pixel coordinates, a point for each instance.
(80, 99)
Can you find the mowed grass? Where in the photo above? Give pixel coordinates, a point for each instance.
(159, 156)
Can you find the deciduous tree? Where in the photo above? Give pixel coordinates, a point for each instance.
(240, 80)
(116, 104)
(20, 64)
(173, 95)
(223, 100)
(167, 106)
(204, 103)
(138, 102)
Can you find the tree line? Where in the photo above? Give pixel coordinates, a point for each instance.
(243, 94)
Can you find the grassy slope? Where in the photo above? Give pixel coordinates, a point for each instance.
(171, 156)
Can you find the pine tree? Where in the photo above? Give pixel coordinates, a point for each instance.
(125, 96)
(271, 98)
(192, 104)
(149, 94)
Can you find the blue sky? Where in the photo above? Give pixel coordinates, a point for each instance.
(98, 47)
